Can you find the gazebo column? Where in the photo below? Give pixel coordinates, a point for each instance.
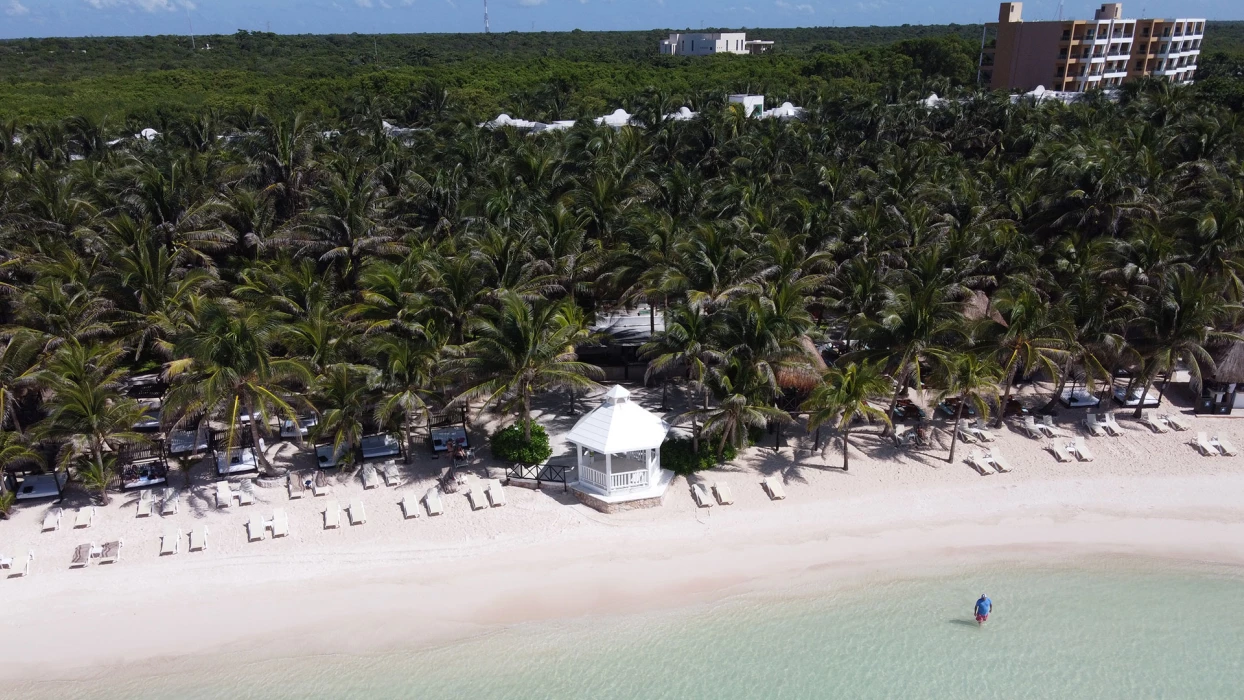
(608, 473)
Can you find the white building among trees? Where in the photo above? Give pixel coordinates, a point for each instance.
(709, 43)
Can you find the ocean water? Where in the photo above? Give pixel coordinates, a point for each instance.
(1104, 631)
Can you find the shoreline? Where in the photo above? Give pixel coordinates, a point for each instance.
(407, 594)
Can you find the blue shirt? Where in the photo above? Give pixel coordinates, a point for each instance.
(983, 606)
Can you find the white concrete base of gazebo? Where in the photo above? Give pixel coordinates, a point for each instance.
(650, 496)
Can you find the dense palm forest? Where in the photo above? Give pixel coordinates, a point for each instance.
(269, 264)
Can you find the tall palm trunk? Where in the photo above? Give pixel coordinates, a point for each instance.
(1006, 392)
(526, 417)
(1140, 404)
(254, 428)
(846, 446)
(1058, 391)
(901, 383)
(97, 455)
(954, 431)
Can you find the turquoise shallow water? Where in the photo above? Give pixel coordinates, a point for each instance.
(1118, 631)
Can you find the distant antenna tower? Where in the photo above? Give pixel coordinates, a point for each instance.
(191, 25)
(1060, 10)
(486, 30)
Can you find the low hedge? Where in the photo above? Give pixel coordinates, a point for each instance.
(678, 456)
(508, 444)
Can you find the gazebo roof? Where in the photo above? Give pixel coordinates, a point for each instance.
(618, 425)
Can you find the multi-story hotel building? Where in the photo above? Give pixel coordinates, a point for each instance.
(1079, 55)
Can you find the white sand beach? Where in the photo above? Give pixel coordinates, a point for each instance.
(394, 582)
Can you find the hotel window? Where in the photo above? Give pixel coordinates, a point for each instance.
(1066, 34)
(1059, 73)
(1144, 32)
(1166, 31)
(1140, 65)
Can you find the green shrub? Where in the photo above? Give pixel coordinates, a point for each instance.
(678, 457)
(508, 445)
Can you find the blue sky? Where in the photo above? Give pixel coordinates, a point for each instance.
(22, 18)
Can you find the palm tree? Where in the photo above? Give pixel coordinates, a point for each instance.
(738, 409)
(688, 342)
(409, 378)
(19, 366)
(523, 349)
(843, 395)
(344, 395)
(89, 411)
(973, 378)
(14, 450)
(1031, 339)
(225, 367)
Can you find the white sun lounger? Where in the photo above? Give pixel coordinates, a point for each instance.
(773, 487)
(999, 462)
(280, 523)
(111, 552)
(51, 520)
(702, 499)
(1080, 449)
(1155, 424)
(1047, 424)
(246, 493)
(410, 506)
(1177, 422)
(1060, 451)
(170, 541)
(198, 538)
(255, 528)
(320, 486)
(371, 480)
(1201, 443)
(977, 461)
(1224, 446)
(1031, 428)
(432, 499)
(1108, 422)
(724, 496)
(477, 498)
(293, 483)
(86, 516)
(332, 515)
(168, 503)
(358, 515)
(978, 429)
(1094, 428)
(224, 496)
(392, 477)
(496, 493)
(146, 503)
(81, 555)
(6, 564)
(965, 432)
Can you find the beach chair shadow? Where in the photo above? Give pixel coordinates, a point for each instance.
(963, 622)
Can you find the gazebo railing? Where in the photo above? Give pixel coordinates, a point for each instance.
(595, 477)
(628, 480)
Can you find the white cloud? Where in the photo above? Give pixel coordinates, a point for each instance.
(16, 9)
(531, 3)
(363, 3)
(783, 5)
(145, 5)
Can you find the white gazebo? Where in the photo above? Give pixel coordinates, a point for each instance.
(618, 453)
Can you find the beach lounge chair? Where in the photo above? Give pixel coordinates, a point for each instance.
(81, 555)
(1176, 421)
(294, 483)
(496, 493)
(1047, 424)
(410, 506)
(6, 564)
(332, 515)
(978, 429)
(392, 477)
(1155, 424)
(146, 503)
(170, 541)
(1094, 428)
(371, 480)
(1080, 449)
(255, 528)
(999, 462)
(1031, 428)
(432, 499)
(977, 461)
(1224, 446)
(246, 493)
(86, 516)
(51, 520)
(773, 487)
(724, 496)
(476, 496)
(965, 432)
(111, 552)
(321, 486)
(1201, 443)
(1060, 451)
(280, 523)
(198, 538)
(168, 503)
(702, 499)
(1108, 422)
(224, 496)
(358, 515)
